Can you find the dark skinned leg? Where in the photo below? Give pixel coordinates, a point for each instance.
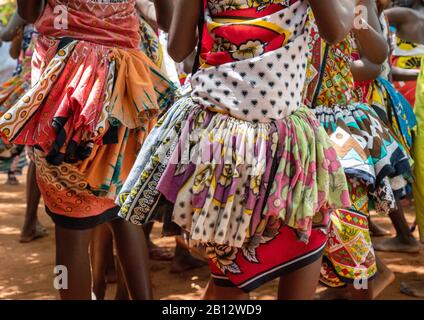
(413, 288)
(183, 259)
(32, 229)
(133, 257)
(214, 292)
(11, 179)
(404, 240)
(376, 230)
(297, 285)
(11, 175)
(155, 252)
(300, 284)
(121, 287)
(101, 248)
(375, 286)
(72, 252)
(147, 230)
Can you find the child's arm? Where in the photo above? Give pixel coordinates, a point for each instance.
(30, 10)
(183, 30)
(409, 24)
(400, 74)
(334, 18)
(164, 13)
(369, 36)
(16, 46)
(364, 70)
(9, 32)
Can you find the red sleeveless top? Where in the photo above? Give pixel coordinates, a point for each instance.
(111, 23)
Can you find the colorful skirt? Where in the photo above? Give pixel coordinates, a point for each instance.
(378, 170)
(279, 253)
(139, 197)
(349, 254)
(13, 160)
(85, 117)
(239, 185)
(407, 89)
(12, 157)
(395, 112)
(368, 151)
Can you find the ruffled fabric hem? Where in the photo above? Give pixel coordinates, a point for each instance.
(395, 111)
(105, 88)
(343, 263)
(368, 151)
(10, 92)
(91, 107)
(232, 180)
(139, 197)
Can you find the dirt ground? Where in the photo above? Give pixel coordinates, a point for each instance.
(26, 270)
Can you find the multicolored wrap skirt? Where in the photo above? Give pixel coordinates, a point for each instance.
(349, 254)
(246, 166)
(376, 164)
(395, 111)
(86, 116)
(368, 151)
(407, 88)
(12, 157)
(237, 204)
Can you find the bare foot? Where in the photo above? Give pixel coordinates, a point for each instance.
(414, 226)
(413, 288)
(39, 232)
(12, 180)
(184, 261)
(334, 294)
(397, 245)
(381, 282)
(157, 253)
(377, 231)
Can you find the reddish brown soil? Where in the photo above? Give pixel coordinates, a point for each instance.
(26, 270)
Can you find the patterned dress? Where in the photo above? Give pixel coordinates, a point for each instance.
(375, 163)
(12, 157)
(149, 43)
(246, 165)
(390, 105)
(93, 100)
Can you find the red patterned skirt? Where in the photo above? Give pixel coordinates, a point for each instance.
(280, 254)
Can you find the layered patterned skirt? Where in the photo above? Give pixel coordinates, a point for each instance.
(349, 254)
(237, 185)
(86, 116)
(12, 157)
(368, 151)
(379, 172)
(395, 111)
